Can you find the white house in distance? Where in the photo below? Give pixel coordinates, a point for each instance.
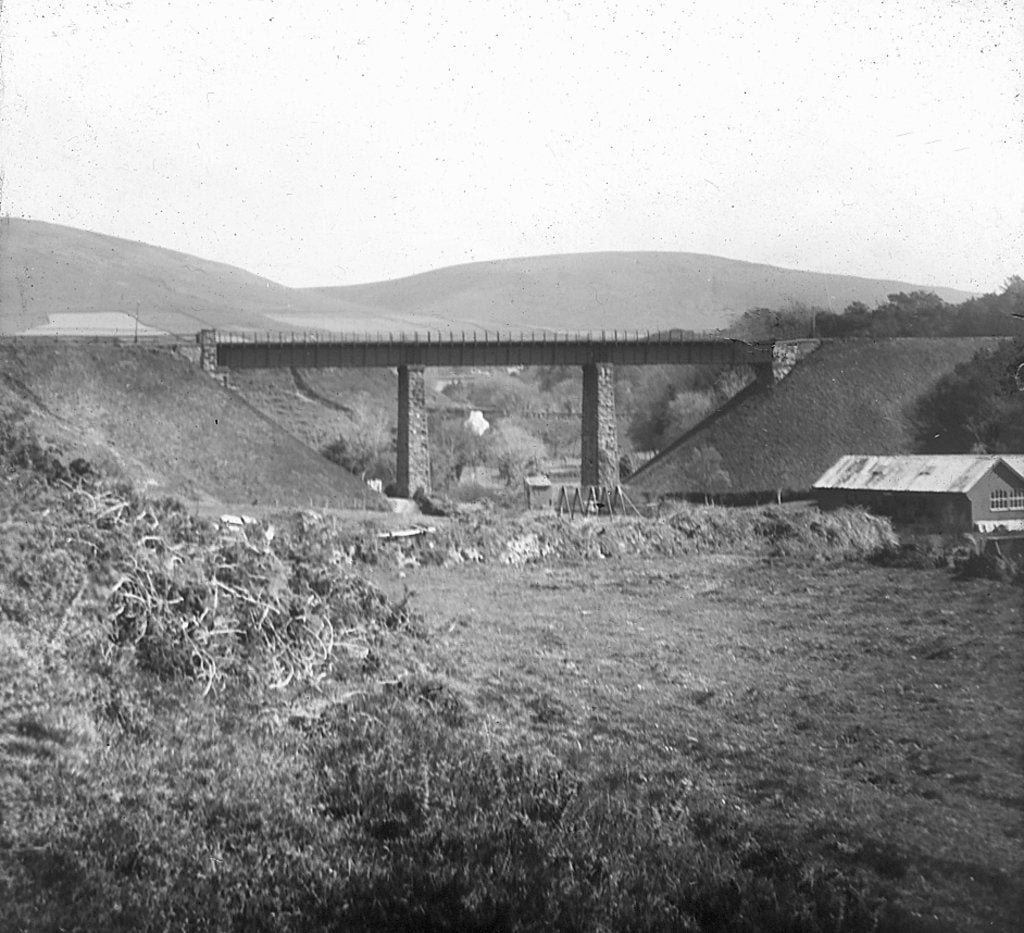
(477, 423)
(933, 493)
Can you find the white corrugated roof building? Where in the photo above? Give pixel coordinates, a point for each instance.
(940, 492)
(914, 472)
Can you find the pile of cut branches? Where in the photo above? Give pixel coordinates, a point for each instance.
(541, 537)
(249, 604)
(186, 596)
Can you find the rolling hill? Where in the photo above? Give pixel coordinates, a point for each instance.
(56, 279)
(611, 291)
(48, 270)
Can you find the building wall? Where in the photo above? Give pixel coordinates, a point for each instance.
(1000, 477)
(932, 512)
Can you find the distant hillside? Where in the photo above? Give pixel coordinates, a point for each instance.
(47, 271)
(851, 396)
(611, 291)
(167, 426)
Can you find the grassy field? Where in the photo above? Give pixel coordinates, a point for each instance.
(867, 718)
(294, 728)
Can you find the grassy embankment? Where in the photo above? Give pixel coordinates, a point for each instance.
(850, 396)
(153, 417)
(739, 737)
(314, 404)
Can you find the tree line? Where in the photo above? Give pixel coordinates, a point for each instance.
(919, 314)
(977, 408)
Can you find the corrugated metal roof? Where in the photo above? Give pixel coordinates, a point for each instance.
(914, 473)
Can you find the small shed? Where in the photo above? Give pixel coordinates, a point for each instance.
(538, 491)
(947, 493)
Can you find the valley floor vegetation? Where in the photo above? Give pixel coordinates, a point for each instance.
(705, 721)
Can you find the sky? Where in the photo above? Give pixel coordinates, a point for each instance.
(332, 143)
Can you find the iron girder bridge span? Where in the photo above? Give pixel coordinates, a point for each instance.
(596, 354)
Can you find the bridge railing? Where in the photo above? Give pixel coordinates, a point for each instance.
(430, 337)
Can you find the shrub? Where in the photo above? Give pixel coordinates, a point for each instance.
(366, 445)
(517, 452)
(454, 448)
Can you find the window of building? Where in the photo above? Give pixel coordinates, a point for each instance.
(1004, 499)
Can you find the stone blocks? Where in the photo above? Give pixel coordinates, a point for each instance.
(413, 437)
(599, 436)
(785, 355)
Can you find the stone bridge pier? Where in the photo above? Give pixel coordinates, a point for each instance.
(413, 435)
(599, 439)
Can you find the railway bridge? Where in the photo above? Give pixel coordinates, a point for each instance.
(409, 354)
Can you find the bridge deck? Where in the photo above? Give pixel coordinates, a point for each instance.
(262, 351)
